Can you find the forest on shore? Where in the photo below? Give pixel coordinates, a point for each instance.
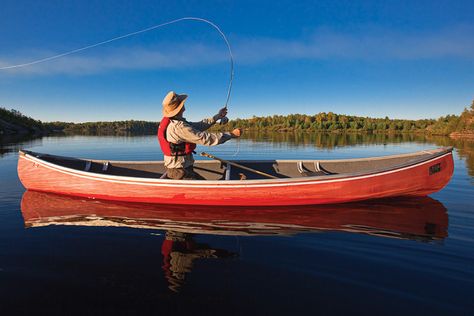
(14, 122)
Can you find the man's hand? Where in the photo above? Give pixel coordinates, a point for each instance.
(222, 113)
(236, 133)
(224, 120)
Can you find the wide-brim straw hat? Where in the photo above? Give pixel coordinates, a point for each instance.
(173, 103)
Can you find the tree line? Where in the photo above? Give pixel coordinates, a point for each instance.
(14, 122)
(129, 126)
(321, 122)
(339, 123)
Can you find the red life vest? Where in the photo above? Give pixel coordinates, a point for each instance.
(171, 149)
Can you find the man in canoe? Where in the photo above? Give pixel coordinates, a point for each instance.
(178, 137)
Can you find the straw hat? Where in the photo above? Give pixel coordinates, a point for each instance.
(173, 103)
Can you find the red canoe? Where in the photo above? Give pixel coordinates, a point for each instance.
(298, 182)
(418, 218)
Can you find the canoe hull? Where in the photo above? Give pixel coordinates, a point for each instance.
(416, 180)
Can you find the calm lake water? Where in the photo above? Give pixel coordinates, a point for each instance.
(61, 255)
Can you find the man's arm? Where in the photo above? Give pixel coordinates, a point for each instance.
(185, 132)
(203, 125)
(208, 122)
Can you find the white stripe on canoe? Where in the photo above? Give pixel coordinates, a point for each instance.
(221, 184)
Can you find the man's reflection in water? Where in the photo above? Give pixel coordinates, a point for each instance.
(179, 250)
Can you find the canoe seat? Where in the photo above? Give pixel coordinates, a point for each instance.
(227, 172)
(319, 168)
(88, 165)
(303, 170)
(300, 169)
(96, 167)
(275, 166)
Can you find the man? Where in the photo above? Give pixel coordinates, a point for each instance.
(178, 137)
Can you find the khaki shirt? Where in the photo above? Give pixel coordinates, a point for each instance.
(180, 131)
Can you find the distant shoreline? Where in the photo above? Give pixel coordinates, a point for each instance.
(454, 135)
(13, 122)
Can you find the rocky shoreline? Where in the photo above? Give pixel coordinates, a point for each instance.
(462, 135)
(11, 129)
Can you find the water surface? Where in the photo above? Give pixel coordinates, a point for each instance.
(63, 255)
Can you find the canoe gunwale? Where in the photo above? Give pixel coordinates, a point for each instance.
(438, 151)
(434, 154)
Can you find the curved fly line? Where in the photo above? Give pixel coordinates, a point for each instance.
(148, 29)
(151, 28)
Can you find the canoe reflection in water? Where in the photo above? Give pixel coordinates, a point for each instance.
(417, 218)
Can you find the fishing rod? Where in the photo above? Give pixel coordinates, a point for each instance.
(223, 120)
(190, 18)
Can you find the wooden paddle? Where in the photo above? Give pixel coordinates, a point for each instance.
(238, 165)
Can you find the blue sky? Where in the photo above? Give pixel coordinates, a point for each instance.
(402, 59)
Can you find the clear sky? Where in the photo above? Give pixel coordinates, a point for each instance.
(402, 59)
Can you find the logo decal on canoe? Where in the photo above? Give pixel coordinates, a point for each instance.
(435, 168)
